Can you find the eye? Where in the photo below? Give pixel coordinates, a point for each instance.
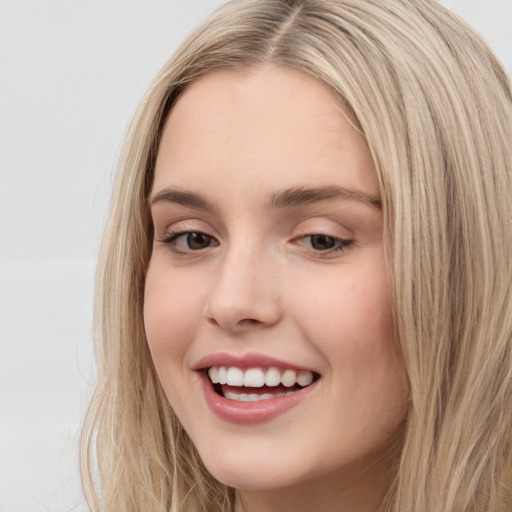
(324, 244)
(196, 241)
(189, 241)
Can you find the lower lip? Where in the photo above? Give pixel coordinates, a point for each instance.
(247, 413)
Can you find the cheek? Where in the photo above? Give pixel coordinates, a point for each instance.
(351, 325)
(171, 312)
(351, 315)
(172, 309)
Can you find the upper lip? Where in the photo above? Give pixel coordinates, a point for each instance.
(244, 361)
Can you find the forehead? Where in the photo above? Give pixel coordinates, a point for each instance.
(270, 127)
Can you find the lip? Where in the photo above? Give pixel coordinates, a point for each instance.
(247, 413)
(244, 361)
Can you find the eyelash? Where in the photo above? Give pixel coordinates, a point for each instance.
(340, 244)
(172, 238)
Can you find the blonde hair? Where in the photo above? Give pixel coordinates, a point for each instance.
(435, 108)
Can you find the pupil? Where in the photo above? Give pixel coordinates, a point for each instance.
(198, 240)
(322, 242)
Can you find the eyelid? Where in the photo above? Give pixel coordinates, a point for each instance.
(323, 226)
(342, 245)
(182, 228)
(171, 241)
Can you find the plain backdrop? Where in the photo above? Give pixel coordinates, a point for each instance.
(71, 75)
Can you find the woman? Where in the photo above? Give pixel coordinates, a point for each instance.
(303, 299)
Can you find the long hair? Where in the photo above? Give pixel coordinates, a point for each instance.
(435, 108)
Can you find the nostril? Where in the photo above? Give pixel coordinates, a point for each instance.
(213, 321)
(243, 323)
(248, 321)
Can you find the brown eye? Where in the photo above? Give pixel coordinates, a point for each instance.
(189, 241)
(197, 241)
(323, 242)
(324, 246)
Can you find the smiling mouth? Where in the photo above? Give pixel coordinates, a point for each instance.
(255, 384)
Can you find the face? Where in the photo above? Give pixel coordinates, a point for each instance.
(267, 306)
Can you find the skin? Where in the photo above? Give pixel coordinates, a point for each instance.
(262, 284)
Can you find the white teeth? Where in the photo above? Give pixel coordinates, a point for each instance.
(272, 377)
(223, 376)
(258, 377)
(213, 373)
(304, 378)
(235, 377)
(252, 397)
(289, 378)
(254, 378)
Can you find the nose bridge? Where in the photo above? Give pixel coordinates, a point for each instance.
(244, 292)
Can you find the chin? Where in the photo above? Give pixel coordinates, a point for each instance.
(255, 478)
(246, 471)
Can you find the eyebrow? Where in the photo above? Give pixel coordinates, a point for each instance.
(305, 195)
(190, 199)
(288, 198)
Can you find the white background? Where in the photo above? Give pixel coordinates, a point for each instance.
(71, 75)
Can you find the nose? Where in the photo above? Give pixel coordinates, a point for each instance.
(244, 293)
